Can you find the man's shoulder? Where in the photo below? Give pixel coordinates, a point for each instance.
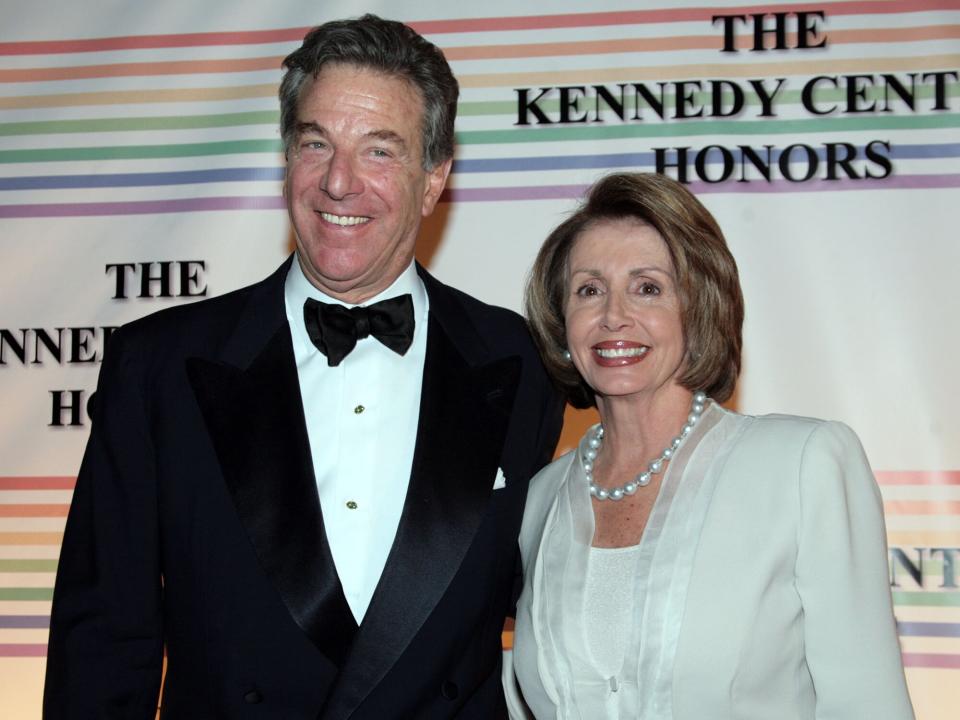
(201, 323)
(491, 321)
(201, 313)
(487, 312)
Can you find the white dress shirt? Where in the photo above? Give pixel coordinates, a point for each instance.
(362, 418)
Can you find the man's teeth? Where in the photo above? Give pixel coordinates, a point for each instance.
(343, 219)
(621, 352)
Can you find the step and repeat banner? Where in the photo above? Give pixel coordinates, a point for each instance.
(140, 167)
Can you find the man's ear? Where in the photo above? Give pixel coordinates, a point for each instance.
(436, 181)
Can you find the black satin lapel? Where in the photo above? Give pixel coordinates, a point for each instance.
(464, 414)
(255, 419)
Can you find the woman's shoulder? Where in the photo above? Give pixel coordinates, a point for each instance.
(798, 446)
(543, 490)
(796, 430)
(544, 484)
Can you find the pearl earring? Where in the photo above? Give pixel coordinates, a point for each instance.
(567, 356)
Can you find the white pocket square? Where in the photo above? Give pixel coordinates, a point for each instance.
(500, 481)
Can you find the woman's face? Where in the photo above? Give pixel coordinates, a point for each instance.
(622, 311)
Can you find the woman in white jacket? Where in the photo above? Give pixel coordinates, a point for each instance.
(688, 562)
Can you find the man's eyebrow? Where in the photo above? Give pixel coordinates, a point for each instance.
(387, 136)
(312, 128)
(309, 127)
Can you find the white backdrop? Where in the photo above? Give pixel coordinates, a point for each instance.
(146, 133)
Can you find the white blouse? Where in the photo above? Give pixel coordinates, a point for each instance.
(760, 588)
(598, 651)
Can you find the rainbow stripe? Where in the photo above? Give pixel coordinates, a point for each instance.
(501, 194)
(465, 25)
(917, 496)
(182, 117)
(37, 595)
(943, 661)
(137, 131)
(920, 477)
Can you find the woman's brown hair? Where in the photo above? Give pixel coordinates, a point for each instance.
(706, 275)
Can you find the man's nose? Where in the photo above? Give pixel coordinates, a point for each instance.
(341, 179)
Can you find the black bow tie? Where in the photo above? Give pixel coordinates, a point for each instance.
(335, 329)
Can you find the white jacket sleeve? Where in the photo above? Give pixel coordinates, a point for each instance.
(849, 630)
(516, 707)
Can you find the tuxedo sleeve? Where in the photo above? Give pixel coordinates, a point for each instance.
(105, 651)
(552, 405)
(850, 635)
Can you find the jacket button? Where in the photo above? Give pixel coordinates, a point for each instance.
(449, 690)
(253, 697)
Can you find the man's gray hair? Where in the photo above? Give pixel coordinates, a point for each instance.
(386, 46)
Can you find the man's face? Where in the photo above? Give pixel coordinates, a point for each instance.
(355, 187)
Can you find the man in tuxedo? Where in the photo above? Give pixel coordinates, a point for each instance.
(308, 491)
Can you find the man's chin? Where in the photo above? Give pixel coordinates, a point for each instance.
(350, 287)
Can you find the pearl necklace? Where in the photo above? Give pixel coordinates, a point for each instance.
(655, 466)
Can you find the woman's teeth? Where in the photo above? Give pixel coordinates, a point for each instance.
(621, 352)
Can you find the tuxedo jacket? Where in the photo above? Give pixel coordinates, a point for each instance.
(196, 527)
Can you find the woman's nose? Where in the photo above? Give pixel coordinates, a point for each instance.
(615, 316)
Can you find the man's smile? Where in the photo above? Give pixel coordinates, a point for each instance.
(344, 220)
